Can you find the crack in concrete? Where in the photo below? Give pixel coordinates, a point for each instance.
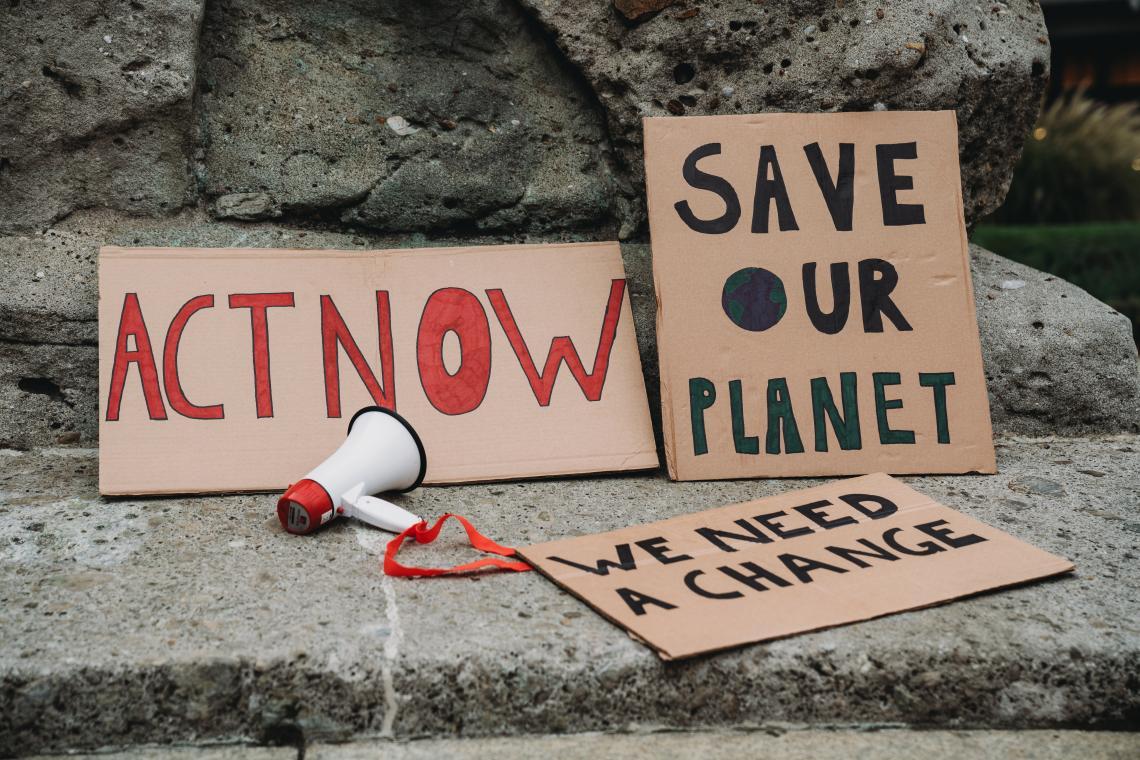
(391, 652)
(373, 542)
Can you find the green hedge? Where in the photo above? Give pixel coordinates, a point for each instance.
(1104, 259)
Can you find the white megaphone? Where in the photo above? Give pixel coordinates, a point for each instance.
(381, 453)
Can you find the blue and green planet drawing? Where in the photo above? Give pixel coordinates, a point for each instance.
(754, 299)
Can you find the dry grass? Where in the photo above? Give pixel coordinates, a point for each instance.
(1081, 164)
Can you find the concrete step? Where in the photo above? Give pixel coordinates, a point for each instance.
(197, 619)
(775, 742)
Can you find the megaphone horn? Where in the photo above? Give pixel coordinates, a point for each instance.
(381, 453)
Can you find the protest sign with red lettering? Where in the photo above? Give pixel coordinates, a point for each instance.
(239, 369)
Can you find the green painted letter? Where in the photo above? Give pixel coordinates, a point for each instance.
(702, 395)
(882, 404)
(780, 412)
(846, 426)
(938, 381)
(745, 444)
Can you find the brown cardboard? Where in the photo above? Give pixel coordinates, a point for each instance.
(268, 439)
(678, 622)
(699, 338)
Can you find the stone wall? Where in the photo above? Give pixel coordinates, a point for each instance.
(462, 116)
(354, 123)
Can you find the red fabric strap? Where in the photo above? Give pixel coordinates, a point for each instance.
(425, 535)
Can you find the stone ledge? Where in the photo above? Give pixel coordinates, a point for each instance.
(776, 742)
(772, 743)
(197, 619)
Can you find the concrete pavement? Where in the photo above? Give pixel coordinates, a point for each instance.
(197, 619)
(778, 743)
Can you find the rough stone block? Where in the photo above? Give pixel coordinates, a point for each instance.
(463, 116)
(51, 292)
(397, 116)
(988, 62)
(1057, 360)
(49, 395)
(97, 107)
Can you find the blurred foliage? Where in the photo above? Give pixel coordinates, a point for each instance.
(1104, 259)
(1080, 164)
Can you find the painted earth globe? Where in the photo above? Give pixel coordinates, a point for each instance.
(754, 299)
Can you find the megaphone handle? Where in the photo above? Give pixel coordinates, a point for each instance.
(383, 514)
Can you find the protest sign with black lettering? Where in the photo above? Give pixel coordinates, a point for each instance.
(238, 369)
(842, 552)
(815, 310)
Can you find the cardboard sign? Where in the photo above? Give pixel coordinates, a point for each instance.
(804, 560)
(815, 311)
(231, 369)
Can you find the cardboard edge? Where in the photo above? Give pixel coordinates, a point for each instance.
(568, 473)
(100, 361)
(669, 657)
(519, 553)
(990, 466)
(964, 471)
(627, 309)
(663, 121)
(666, 656)
(129, 252)
(869, 481)
(649, 125)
